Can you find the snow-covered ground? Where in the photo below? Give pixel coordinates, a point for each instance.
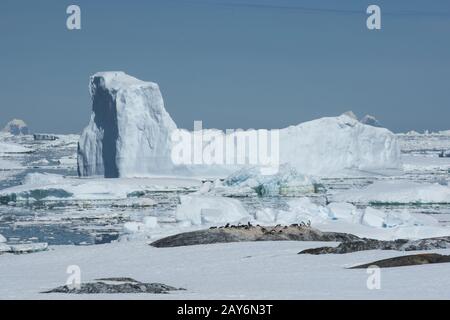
(59, 208)
(257, 270)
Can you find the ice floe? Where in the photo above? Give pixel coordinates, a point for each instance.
(13, 148)
(397, 192)
(37, 186)
(208, 210)
(250, 182)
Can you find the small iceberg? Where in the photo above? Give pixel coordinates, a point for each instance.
(249, 182)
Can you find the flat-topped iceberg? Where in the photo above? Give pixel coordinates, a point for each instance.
(333, 144)
(129, 131)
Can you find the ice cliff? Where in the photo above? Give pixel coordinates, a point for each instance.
(129, 131)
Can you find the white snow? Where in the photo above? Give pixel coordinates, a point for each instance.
(129, 131)
(256, 270)
(373, 218)
(2, 239)
(200, 210)
(9, 165)
(345, 217)
(11, 148)
(397, 192)
(425, 163)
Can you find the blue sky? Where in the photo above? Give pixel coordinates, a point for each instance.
(232, 64)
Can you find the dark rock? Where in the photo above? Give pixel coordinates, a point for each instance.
(411, 260)
(115, 285)
(363, 244)
(253, 233)
(44, 137)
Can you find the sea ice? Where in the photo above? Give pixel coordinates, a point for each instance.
(13, 148)
(199, 210)
(397, 192)
(249, 181)
(38, 186)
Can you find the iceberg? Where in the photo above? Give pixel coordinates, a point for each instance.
(16, 127)
(370, 121)
(130, 134)
(129, 131)
(329, 145)
(13, 148)
(201, 210)
(250, 182)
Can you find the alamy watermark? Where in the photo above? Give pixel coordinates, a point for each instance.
(374, 280)
(260, 148)
(74, 279)
(374, 20)
(73, 21)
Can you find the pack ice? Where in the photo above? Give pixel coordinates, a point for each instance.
(129, 135)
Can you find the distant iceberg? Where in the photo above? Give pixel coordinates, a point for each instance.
(16, 127)
(370, 121)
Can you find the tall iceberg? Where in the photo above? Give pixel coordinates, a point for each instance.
(129, 130)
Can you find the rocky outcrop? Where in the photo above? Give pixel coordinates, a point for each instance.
(243, 233)
(44, 137)
(372, 244)
(410, 260)
(115, 285)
